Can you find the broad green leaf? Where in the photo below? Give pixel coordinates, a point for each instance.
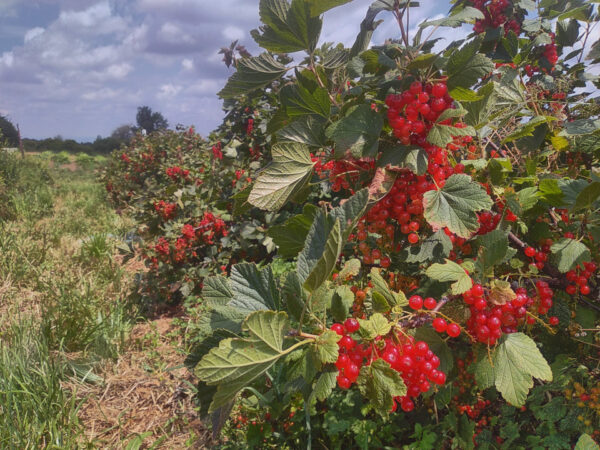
(411, 157)
(357, 133)
(367, 26)
(289, 172)
(550, 191)
(585, 442)
(380, 383)
(222, 317)
(477, 111)
(567, 32)
(252, 73)
(253, 289)
(341, 302)
(287, 28)
(351, 211)
(379, 285)
(462, 94)
(324, 266)
(236, 362)
(380, 304)
(526, 129)
(527, 197)
(326, 348)
(455, 205)
(434, 248)
(291, 235)
(318, 7)
(568, 253)
(307, 130)
(376, 325)
(299, 101)
(466, 66)
(216, 291)
(324, 385)
(484, 371)
(450, 271)
(581, 127)
(457, 19)
(442, 135)
(587, 196)
(315, 244)
(335, 58)
(293, 295)
(493, 247)
(516, 360)
(240, 201)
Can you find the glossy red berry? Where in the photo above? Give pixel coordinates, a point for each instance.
(453, 330)
(429, 303)
(415, 302)
(351, 325)
(338, 328)
(553, 320)
(530, 251)
(439, 324)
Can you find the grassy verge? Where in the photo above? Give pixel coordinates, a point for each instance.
(62, 299)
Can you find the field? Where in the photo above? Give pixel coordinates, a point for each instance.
(80, 368)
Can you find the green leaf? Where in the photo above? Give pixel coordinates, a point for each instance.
(493, 247)
(326, 347)
(291, 235)
(477, 111)
(351, 211)
(216, 291)
(434, 248)
(585, 442)
(568, 253)
(442, 135)
(357, 132)
(412, 158)
(462, 94)
(581, 127)
(326, 263)
(567, 33)
(380, 383)
(466, 66)
(550, 191)
(587, 196)
(450, 271)
(526, 128)
(240, 201)
(236, 362)
(341, 302)
(299, 101)
(293, 295)
(252, 73)
(253, 290)
(287, 28)
(318, 7)
(516, 360)
(307, 130)
(457, 19)
(324, 385)
(484, 371)
(376, 325)
(335, 58)
(454, 206)
(289, 172)
(367, 26)
(379, 285)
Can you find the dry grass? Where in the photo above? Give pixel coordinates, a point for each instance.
(146, 391)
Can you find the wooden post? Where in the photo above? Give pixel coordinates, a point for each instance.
(20, 142)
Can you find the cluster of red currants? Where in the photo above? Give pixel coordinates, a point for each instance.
(579, 277)
(414, 360)
(539, 257)
(496, 14)
(439, 324)
(165, 209)
(176, 172)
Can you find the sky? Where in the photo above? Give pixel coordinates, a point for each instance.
(80, 68)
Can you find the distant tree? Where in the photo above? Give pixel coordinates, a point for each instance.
(123, 133)
(150, 121)
(9, 132)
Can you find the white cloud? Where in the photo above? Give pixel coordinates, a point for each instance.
(168, 91)
(187, 64)
(233, 33)
(33, 33)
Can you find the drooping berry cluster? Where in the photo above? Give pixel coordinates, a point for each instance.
(414, 360)
(498, 13)
(175, 173)
(165, 209)
(488, 321)
(579, 277)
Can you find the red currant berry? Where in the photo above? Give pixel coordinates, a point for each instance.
(415, 302)
(453, 330)
(351, 325)
(439, 324)
(429, 303)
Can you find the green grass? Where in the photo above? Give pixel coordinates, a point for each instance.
(63, 298)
